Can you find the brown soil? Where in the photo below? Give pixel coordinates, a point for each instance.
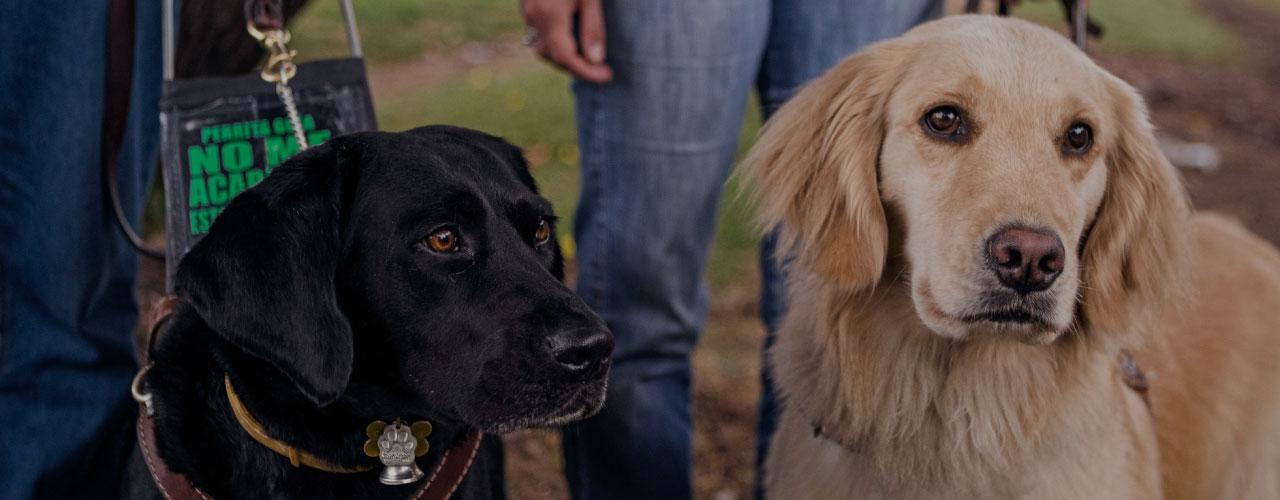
(435, 67)
(1234, 106)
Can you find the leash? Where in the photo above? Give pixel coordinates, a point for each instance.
(265, 23)
(115, 115)
(1076, 12)
(440, 485)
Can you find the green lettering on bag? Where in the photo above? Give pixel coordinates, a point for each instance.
(197, 195)
(237, 156)
(203, 159)
(217, 186)
(223, 165)
(279, 149)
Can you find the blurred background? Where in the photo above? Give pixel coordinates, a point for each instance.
(1210, 70)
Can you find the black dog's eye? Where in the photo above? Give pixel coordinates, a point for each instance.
(443, 240)
(945, 122)
(543, 233)
(1078, 139)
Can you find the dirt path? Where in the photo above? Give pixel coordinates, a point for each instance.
(438, 66)
(1234, 106)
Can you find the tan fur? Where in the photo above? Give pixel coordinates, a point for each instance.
(885, 225)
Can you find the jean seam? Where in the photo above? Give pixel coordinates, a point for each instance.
(595, 286)
(683, 63)
(668, 146)
(4, 317)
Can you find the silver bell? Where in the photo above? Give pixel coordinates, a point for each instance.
(396, 448)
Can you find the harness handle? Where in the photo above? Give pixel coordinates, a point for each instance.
(263, 14)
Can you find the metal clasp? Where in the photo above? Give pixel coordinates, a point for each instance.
(135, 390)
(279, 67)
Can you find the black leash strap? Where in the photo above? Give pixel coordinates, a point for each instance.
(115, 114)
(264, 14)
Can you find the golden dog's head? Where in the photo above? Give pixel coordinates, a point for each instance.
(1016, 183)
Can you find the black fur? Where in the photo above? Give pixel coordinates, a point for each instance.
(314, 292)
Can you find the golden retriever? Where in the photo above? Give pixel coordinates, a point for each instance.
(978, 222)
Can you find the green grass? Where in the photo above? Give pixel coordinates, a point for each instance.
(1272, 5)
(737, 236)
(535, 111)
(397, 30)
(1173, 28)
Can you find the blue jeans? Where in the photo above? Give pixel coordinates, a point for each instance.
(67, 306)
(657, 145)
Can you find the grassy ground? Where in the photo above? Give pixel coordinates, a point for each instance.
(399, 30)
(1169, 28)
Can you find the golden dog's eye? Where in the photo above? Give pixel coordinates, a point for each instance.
(442, 240)
(1078, 139)
(543, 233)
(945, 122)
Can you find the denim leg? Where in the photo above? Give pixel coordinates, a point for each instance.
(657, 145)
(67, 306)
(807, 37)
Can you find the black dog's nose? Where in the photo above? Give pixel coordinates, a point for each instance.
(1026, 260)
(582, 353)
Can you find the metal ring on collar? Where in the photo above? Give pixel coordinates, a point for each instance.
(135, 389)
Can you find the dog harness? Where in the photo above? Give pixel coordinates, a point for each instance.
(440, 485)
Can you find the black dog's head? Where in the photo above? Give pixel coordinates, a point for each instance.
(412, 273)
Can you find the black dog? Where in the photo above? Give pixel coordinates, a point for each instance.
(379, 276)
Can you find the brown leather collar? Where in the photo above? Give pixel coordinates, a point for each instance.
(258, 432)
(440, 485)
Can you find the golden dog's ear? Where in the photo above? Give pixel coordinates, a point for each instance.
(1136, 255)
(813, 171)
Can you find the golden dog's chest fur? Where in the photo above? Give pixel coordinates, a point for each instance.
(911, 415)
(881, 224)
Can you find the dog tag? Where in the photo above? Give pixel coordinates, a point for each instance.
(396, 448)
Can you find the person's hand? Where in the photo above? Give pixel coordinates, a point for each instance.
(551, 35)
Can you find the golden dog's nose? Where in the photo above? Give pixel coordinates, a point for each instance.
(1024, 259)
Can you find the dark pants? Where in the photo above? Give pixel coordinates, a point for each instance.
(67, 306)
(657, 145)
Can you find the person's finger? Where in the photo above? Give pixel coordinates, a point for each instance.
(538, 16)
(591, 33)
(562, 49)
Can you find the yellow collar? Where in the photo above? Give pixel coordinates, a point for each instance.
(258, 433)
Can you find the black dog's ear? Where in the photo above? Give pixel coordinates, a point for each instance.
(263, 278)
